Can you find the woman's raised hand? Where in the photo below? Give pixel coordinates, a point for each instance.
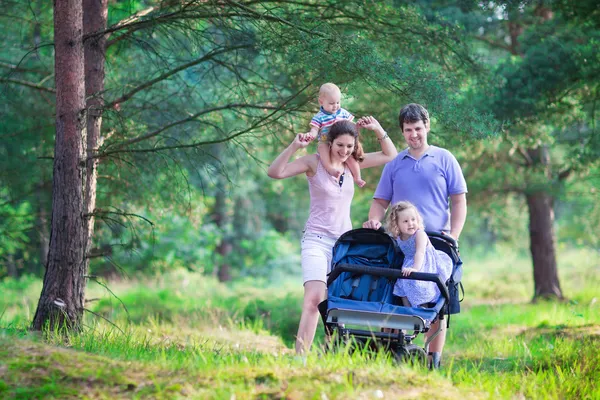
(369, 122)
(303, 139)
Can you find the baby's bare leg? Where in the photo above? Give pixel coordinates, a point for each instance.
(355, 169)
(323, 150)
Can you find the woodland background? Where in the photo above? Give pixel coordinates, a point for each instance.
(141, 236)
(187, 103)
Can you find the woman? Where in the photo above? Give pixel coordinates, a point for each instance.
(329, 214)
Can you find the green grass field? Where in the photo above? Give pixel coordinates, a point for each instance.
(186, 336)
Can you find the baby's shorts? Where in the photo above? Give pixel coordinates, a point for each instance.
(321, 137)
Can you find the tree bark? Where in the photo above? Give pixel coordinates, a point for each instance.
(11, 267)
(221, 217)
(541, 230)
(42, 226)
(543, 254)
(95, 14)
(62, 298)
(225, 247)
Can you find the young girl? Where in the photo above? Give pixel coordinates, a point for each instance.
(406, 225)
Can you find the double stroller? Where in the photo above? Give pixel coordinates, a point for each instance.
(361, 309)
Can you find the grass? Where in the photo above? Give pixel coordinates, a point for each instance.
(136, 366)
(186, 336)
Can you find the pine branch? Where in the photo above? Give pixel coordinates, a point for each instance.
(104, 318)
(100, 213)
(260, 122)
(95, 279)
(28, 84)
(494, 43)
(189, 11)
(183, 121)
(16, 68)
(267, 17)
(174, 71)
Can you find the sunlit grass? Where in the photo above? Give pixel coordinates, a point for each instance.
(186, 335)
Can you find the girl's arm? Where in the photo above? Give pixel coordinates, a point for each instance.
(421, 241)
(388, 150)
(281, 168)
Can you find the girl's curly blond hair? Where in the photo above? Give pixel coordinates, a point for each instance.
(391, 223)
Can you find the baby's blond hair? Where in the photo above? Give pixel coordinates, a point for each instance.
(392, 218)
(328, 88)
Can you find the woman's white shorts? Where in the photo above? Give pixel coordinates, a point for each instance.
(316, 256)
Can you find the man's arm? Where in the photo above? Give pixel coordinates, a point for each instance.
(376, 213)
(458, 214)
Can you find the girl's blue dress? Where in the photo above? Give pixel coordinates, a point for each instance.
(435, 262)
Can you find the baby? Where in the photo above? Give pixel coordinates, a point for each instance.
(331, 111)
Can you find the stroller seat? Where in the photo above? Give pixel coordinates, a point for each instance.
(365, 266)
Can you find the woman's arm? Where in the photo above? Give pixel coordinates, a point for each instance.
(281, 168)
(420, 243)
(388, 150)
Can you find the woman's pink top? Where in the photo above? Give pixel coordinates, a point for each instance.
(329, 202)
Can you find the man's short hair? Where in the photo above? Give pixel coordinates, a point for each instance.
(412, 113)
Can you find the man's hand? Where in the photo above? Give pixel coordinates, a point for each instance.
(455, 240)
(372, 224)
(449, 234)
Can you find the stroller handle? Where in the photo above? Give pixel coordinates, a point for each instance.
(390, 274)
(444, 236)
(441, 235)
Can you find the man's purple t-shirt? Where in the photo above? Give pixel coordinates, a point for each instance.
(427, 183)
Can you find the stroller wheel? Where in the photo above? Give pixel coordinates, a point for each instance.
(411, 354)
(337, 338)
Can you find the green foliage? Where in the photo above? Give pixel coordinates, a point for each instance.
(539, 76)
(245, 303)
(15, 222)
(26, 132)
(19, 299)
(264, 63)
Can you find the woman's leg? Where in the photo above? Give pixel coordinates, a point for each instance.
(314, 293)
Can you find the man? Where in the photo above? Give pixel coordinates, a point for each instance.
(430, 178)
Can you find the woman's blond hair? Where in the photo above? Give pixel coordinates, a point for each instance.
(392, 219)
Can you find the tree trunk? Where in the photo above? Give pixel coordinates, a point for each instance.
(541, 230)
(63, 291)
(221, 218)
(224, 272)
(95, 15)
(542, 239)
(42, 226)
(225, 247)
(11, 267)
